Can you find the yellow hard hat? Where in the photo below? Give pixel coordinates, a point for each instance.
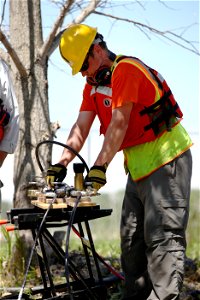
(75, 43)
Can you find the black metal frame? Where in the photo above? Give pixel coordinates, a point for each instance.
(80, 287)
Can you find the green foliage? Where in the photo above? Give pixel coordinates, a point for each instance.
(12, 260)
(108, 248)
(11, 268)
(8, 241)
(193, 229)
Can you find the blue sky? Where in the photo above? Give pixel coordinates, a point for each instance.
(178, 66)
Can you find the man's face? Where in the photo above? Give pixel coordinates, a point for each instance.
(93, 62)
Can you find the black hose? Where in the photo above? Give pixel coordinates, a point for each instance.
(60, 144)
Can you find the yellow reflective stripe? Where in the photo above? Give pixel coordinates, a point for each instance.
(145, 71)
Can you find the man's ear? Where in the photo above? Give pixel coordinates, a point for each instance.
(97, 48)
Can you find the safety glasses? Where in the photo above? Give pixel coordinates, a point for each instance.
(85, 64)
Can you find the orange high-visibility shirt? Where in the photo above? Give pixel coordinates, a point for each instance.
(129, 84)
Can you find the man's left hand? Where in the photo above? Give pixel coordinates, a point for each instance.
(97, 176)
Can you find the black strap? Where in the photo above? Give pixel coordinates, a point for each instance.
(151, 108)
(162, 110)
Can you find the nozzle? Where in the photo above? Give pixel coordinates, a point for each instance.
(3, 222)
(78, 179)
(10, 228)
(78, 168)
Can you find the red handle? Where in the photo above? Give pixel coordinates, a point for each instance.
(2, 222)
(10, 228)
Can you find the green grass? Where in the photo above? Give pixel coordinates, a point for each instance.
(105, 248)
(193, 229)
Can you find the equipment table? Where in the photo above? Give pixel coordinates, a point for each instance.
(77, 287)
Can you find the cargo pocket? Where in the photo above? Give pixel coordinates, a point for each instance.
(174, 213)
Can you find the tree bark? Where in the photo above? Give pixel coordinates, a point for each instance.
(32, 94)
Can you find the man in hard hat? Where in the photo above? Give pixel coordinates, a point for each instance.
(9, 117)
(138, 115)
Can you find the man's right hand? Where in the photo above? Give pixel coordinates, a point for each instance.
(56, 173)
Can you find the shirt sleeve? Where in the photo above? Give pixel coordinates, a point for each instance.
(7, 95)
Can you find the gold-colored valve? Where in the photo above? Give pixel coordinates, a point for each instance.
(78, 178)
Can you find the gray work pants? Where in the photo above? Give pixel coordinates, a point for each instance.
(154, 218)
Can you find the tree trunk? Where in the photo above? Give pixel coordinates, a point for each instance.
(32, 94)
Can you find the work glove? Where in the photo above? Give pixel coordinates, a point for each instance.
(96, 176)
(56, 173)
